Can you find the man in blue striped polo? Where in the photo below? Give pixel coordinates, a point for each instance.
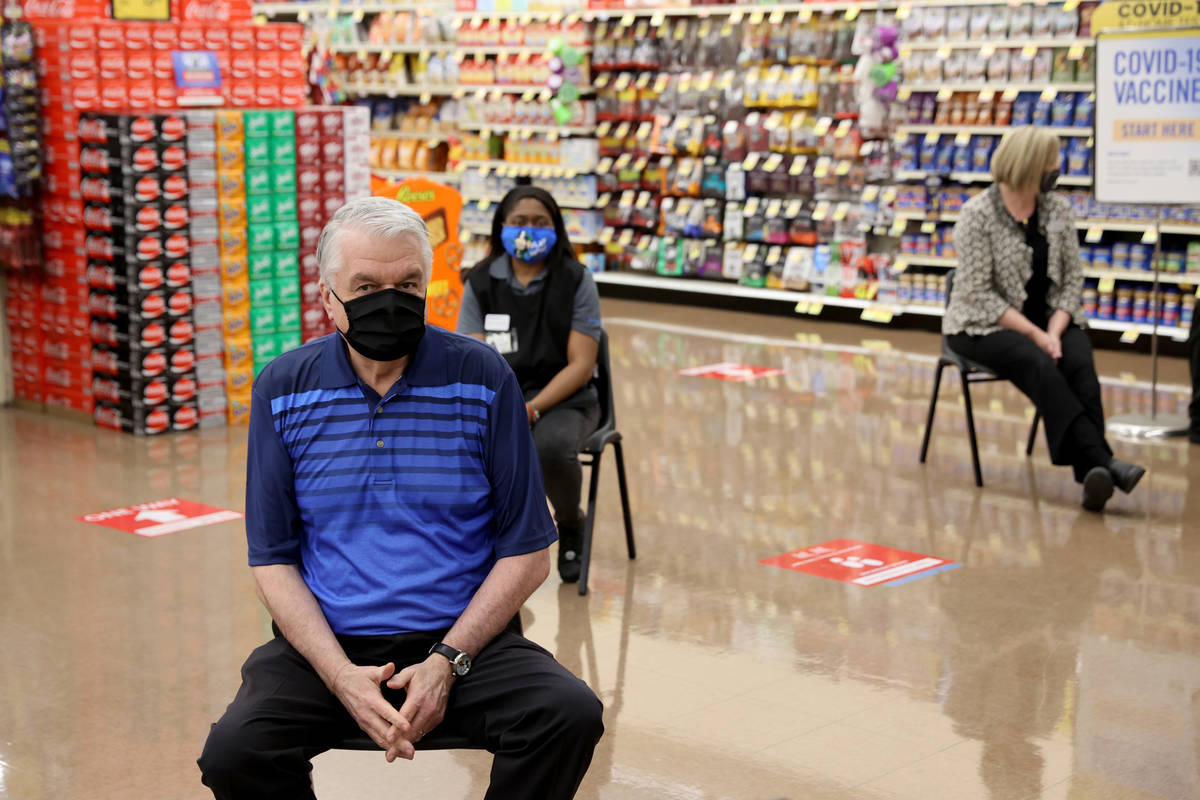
(396, 523)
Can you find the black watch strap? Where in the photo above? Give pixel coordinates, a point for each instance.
(460, 662)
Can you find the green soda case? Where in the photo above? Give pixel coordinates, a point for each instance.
(261, 236)
(286, 290)
(283, 179)
(262, 292)
(283, 151)
(256, 123)
(259, 366)
(259, 208)
(283, 206)
(261, 264)
(264, 323)
(283, 123)
(287, 341)
(259, 180)
(258, 151)
(286, 264)
(288, 319)
(287, 236)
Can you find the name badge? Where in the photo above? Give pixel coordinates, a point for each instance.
(496, 323)
(505, 342)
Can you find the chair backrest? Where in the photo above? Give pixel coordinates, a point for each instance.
(603, 383)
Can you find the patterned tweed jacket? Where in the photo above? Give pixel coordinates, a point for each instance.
(994, 263)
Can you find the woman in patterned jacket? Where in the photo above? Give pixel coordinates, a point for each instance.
(1016, 307)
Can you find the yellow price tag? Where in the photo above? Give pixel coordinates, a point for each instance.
(1106, 285)
(815, 308)
(944, 94)
(1049, 93)
(1129, 337)
(898, 226)
(1094, 234)
(1070, 5)
(752, 206)
(1029, 51)
(900, 266)
(870, 193)
(904, 12)
(987, 51)
(776, 17)
(657, 19)
(822, 168)
(962, 138)
(906, 52)
(1075, 52)
(852, 14)
(821, 211)
(843, 168)
(797, 167)
(774, 207)
(736, 17)
(987, 95)
(750, 162)
(943, 52)
(804, 15)
(841, 211)
(801, 307)
(756, 18)
(928, 227)
(822, 126)
(1150, 236)
(154, 10)
(1009, 95)
(843, 128)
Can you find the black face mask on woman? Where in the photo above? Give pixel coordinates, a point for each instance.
(1049, 180)
(386, 325)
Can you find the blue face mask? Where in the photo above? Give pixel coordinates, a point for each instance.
(528, 244)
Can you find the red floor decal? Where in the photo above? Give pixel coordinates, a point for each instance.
(160, 517)
(728, 371)
(860, 563)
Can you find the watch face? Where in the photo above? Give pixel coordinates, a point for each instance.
(462, 664)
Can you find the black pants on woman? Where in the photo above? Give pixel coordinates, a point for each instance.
(541, 722)
(558, 435)
(1067, 393)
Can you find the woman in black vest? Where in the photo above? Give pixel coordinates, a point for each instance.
(535, 303)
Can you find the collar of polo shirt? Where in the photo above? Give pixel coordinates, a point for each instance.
(336, 371)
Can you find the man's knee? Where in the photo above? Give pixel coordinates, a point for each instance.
(226, 755)
(575, 710)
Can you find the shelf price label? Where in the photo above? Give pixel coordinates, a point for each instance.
(843, 168)
(1094, 234)
(1075, 52)
(988, 50)
(821, 211)
(987, 95)
(1150, 236)
(843, 128)
(1048, 94)
(904, 11)
(904, 93)
(929, 226)
(900, 266)
(1009, 95)
(798, 165)
(822, 168)
(898, 226)
(962, 138)
(1129, 337)
(943, 52)
(944, 94)
(822, 126)
(841, 211)
(1106, 285)
(876, 313)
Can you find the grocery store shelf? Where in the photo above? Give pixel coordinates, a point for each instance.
(981, 177)
(561, 130)
(466, 51)
(514, 168)
(1180, 228)
(403, 174)
(1177, 334)
(1080, 224)
(998, 130)
(392, 48)
(431, 136)
(397, 89)
(726, 289)
(514, 88)
(558, 14)
(1143, 275)
(1062, 86)
(482, 233)
(976, 44)
(342, 7)
(926, 261)
(741, 9)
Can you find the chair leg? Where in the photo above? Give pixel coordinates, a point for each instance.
(966, 390)
(620, 454)
(1037, 418)
(588, 525)
(937, 383)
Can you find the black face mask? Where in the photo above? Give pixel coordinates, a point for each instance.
(386, 325)
(1049, 180)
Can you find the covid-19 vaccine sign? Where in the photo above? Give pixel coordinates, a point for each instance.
(1147, 144)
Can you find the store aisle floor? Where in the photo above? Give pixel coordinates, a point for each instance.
(1060, 660)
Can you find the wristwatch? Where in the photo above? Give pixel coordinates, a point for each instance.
(460, 662)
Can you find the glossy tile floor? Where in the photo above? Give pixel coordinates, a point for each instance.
(1061, 661)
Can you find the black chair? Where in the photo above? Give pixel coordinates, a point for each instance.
(969, 372)
(606, 434)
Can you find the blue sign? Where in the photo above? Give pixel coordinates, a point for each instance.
(196, 70)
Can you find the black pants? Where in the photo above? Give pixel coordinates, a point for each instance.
(1067, 393)
(558, 435)
(540, 721)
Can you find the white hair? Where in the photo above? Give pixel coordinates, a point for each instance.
(377, 217)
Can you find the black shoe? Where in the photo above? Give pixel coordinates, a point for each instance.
(569, 545)
(1125, 475)
(1097, 488)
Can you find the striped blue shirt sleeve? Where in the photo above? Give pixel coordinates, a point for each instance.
(523, 523)
(272, 515)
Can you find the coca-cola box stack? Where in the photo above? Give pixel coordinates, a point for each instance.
(332, 145)
(138, 246)
(206, 266)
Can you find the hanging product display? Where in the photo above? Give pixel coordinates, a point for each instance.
(21, 157)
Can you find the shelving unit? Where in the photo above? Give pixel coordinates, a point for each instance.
(566, 130)
(435, 136)
(467, 51)
(980, 44)
(517, 169)
(999, 87)
(387, 49)
(989, 130)
(398, 90)
(981, 177)
(403, 174)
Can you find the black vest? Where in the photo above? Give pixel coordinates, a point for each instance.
(541, 321)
